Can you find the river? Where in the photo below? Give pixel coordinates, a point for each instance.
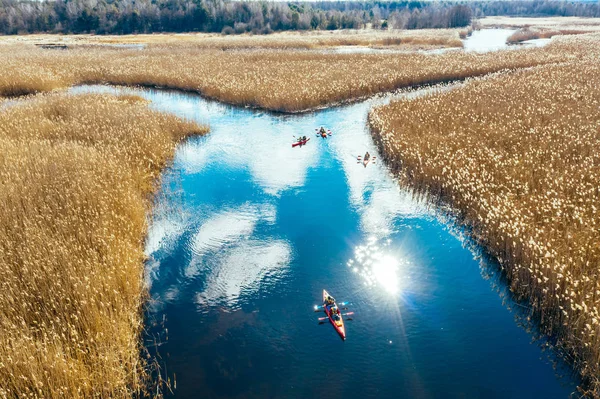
(247, 232)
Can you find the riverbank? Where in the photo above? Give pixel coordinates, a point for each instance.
(516, 155)
(275, 80)
(77, 174)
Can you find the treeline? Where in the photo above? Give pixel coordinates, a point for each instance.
(146, 16)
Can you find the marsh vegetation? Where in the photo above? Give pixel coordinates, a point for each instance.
(396, 39)
(76, 174)
(516, 155)
(277, 80)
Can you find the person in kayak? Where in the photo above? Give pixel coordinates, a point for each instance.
(322, 131)
(367, 156)
(335, 313)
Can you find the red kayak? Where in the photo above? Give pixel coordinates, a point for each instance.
(301, 142)
(336, 319)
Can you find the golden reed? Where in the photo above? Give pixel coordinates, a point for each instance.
(76, 174)
(517, 156)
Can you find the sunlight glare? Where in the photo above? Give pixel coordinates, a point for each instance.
(377, 266)
(385, 271)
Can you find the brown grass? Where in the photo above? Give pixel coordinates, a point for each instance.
(541, 22)
(402, 39)
(464, 33)
(276, 80)
(529, 34)
(517, 155)
(75, 178)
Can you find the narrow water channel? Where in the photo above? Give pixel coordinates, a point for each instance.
(248, 231)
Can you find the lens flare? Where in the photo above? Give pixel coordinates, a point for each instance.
(378, 266)
(385, 272)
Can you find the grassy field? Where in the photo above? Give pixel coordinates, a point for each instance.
(518, 157)
(278, 80)
(398, 39)
(76, 176)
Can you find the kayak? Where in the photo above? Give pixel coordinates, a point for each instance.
(364, 161)
(324, 134)
(301, 142)
(338, 323)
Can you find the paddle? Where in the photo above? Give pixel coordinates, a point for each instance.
(321, 309)
(343, 314)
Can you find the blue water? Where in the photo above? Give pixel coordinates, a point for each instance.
(248, 231)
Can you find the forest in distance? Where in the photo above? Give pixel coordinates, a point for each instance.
(261, 17)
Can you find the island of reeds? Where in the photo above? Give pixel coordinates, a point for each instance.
(273, 79)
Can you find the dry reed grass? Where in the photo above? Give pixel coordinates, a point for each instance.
(541, 22)
(529, 34)
(422, 39)
(281, 80)
(75, 177)
(517, 156)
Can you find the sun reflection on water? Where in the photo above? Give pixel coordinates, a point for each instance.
(375, 263)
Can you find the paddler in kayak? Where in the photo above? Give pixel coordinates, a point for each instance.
(367, 156)
(323, 132)
(335, 313)
(329, 301)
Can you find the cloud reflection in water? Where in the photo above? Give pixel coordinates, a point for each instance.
(244, 269)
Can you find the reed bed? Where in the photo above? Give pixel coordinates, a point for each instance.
(530, 34)
(540, 22)
(517, 155)
(76, 174)
(277, 80)
(421, 39)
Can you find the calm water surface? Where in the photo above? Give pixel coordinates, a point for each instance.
(480, 41)
(247, 232)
